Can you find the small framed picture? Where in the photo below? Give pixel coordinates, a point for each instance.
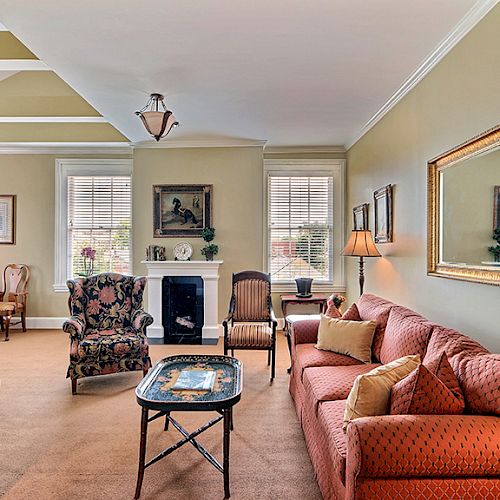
(383, 214)
(7, 219)
(360, 216)
(181, 210)
(496, 208)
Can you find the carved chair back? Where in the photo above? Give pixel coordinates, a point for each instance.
(251, 296)
(15, 281)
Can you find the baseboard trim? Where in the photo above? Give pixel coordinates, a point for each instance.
(40, 323)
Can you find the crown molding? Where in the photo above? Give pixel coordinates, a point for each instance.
(75, 148)
(3, 28)
(303, 149)
(207, 143)
(475, 14)
(23, 65)
(53, 119)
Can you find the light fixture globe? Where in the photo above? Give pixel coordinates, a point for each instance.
(157, 119)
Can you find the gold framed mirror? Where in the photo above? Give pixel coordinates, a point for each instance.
(463, 190)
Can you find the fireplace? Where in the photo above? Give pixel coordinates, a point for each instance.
(182, 311)
(207, 271)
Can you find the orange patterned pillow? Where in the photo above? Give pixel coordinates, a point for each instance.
(352, 314)
(422, 393)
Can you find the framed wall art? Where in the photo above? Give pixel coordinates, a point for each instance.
(360, 216)
(7, 219)
(181, 210)
(383, 214)
(496, 208)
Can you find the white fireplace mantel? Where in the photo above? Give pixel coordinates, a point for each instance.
(207, 270)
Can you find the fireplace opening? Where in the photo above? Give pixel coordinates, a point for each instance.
(182, 309)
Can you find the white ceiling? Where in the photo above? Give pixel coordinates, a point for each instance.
(292, 72)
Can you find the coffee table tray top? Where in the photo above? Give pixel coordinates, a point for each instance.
(155, 390)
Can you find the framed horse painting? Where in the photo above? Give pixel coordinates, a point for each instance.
(181, 210)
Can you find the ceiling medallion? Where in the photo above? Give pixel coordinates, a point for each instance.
(157, 119)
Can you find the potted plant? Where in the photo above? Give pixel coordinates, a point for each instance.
(210, 249)
(495, 250)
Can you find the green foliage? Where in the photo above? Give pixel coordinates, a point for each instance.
(212, 248)
(495, 250)
(311, 246)
(208, 234)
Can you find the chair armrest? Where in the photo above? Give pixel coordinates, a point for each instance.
(421, 446)
(75, 326)
(304, 331)
(227, 320)
(274, 321)
(140, 320)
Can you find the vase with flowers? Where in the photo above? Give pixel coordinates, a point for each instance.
(88, 254)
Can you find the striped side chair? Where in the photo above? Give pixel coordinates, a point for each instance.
(251, 323)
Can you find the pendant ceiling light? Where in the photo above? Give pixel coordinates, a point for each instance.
(157, 119)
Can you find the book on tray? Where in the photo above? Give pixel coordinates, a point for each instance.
(195, 380)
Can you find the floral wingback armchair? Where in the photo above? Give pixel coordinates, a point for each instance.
(107, 327)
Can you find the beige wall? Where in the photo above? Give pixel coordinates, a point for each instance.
(31, 178)
(237, 177)
(456, 101)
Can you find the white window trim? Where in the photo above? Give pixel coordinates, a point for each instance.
(64, 168)
(332, 167)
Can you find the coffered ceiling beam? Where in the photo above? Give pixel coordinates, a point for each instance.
(23, 65)
(53, 119)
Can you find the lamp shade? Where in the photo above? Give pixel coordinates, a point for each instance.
(361, 244)
(156, 118)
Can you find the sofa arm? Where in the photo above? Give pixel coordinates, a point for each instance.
(75, 326)
(304, 331)
(141, 320)
(409, 446)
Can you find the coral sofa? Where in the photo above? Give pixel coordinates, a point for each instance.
(398, 456)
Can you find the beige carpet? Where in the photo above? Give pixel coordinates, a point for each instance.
(57, 446)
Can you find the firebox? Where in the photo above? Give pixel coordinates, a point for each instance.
(182, 298)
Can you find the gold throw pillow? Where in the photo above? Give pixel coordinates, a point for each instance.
(370, 394)
(353, 338)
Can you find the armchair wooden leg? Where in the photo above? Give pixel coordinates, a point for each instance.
(73, 385)
(6, 323)
(268, 358)
(23, 320)
(273, 363)
(144, 371)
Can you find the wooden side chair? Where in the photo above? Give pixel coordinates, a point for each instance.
(251, 323)
(13, 298)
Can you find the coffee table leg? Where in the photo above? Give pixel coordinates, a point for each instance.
(142, 452)
(227, 431)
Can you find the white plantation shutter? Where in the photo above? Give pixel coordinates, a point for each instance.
(300, 226)
(99, 216)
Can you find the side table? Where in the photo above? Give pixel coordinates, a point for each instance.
(287, 300)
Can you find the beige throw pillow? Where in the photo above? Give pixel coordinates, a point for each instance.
(370, 394)
(353, 338)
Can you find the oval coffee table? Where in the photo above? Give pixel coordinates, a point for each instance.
(156, 392)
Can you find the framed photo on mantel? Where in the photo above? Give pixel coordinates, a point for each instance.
(383, 214)
(7, 219)
(181, 210)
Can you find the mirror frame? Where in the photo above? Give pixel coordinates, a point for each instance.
(489, 140)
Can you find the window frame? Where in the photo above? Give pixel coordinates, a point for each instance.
(327, 167)
(83, 167)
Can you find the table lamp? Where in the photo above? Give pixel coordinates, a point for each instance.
(361, 245)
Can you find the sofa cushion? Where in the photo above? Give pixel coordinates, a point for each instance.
(306, 356)
(352, 314)
(441, 367)
(422, 393)
(370, 393)
(457, 346)
(375, 308)
(480, 379)
(406, 333)
(330, 417)
(353, 338)
(331, 383)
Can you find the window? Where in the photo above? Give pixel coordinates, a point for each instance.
(93, 209)
(304, 206)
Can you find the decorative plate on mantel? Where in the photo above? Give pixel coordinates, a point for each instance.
(183, 251)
